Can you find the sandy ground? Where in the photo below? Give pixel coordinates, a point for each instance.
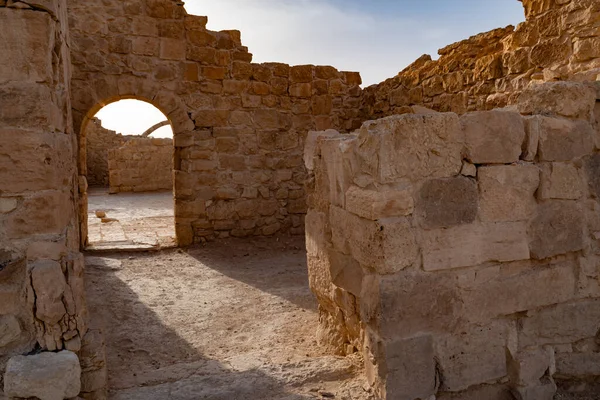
(134, 220)
(227, 321)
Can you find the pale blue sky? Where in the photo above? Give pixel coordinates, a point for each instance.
(378, 38)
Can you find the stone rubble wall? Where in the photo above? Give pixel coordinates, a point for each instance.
(560, 40)
(99, 141)
(141, 165)
(460, 255)
(42, 304)
(239, 127)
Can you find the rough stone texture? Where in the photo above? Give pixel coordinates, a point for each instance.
(141, 165)
(47, 376)
(490, 266)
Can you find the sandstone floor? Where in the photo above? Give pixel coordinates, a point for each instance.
(226, 321)
(133, 220)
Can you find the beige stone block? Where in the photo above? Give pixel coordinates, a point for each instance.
(303, 90)
(504, 293)
(311, 145)
(557, 229)
(475, 356)
(46, 212)
(26, 46)
(577, 365)
(560, 181)
(411, 147)
(337, 155)
(49, 285)
(474, 244)
(507, 192)
(172, 49)
(8, 204)
(592, 172)
(10, 330)
(493, 137)
(532, 137)
(48, 166)
(345, 272)
(388, 246)
(447, 202)
(410, 368)
(30, 106)
(567, 99)
(528, 366)
(377, 204)
(561, 323)
(146, 46)
(564, 140)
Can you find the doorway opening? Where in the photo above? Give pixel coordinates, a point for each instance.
(129, 163)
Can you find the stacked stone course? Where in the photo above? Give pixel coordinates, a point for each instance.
(460, 254)
(558, 41)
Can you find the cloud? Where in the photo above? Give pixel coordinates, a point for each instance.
(343, 34)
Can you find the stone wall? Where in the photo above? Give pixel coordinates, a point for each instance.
(42, 303)
(461, 254)
(141, 165)
(239, 127)
(558, 41)
(99, 141)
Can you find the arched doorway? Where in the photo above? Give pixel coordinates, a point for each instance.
(126, 151)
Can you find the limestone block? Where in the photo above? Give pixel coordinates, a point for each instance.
(560, 181)
(567, 99)
(578, 365)
(10, 329)
(446, 202)
(474, 244)
(476, 356)
(47, 167)
(413, 302)
(532, 137)
(47, 376)
(494, 137)
(310, 146)
(45, 212)
(507, 192)
(338, 157)
(410, 368)
(528, 366)
(345, 272)
(411, 147)
(564, 140)
(388, 245)
(49, 285)
(377, 204)
(557, 229)
(30, 106)
(542, 391)
(7, 204)
(592, 171)
(562, 323)
(26, 46)
(506, 293)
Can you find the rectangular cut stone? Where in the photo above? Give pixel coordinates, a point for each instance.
(557, 229)
(474, 244)
(560, 181)
(447, 202)
(476, 356)
(562, 323)
(310, 147)
(507, 192)
(578, 365)
(568, 99)
(410, 368)
(387, 245)
(411, 147)
(377, 204)
(532, 138)
(505, 293)
(337, 154)
(564, 140)
(493, 137)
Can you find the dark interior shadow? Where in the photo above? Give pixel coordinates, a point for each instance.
(150, 359)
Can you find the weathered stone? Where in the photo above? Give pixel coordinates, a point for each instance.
(563, 323)
(345, 272)
(564, 140)
(410, 368)
(47, 376)
(528, 366)
(567, 99)
(474, 244)
(476, 356)
(507, 192)
(493, 137)
(557, 229)
(10, 329)
(532, 137)
(578, 365)
(374, 205)
(560, 181)
(442, 203)
(592, 170)
(49, 285)
(388, 245)
(411, 147)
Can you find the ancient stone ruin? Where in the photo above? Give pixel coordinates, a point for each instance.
(451, 212)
